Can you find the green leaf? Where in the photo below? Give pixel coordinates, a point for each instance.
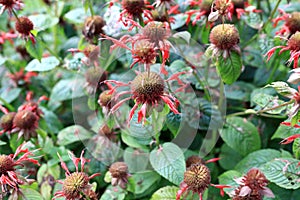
(268, 101)
(257, 159)
(10, 94)
(229, 68)
(165, 193)
(137, 160)
(186, 36)
(46, 64)
(169, 162)
(2, 60)
(143, 181)
(229, 157)
(239, 91)
(241, 135)
(77, 15)
(2, 143)
(30, 194)
(73, 134)
(284, 131)
(284, 172)
(113, 193)
(43, 21)
(35, 50)
(52, 121)
(296, 148)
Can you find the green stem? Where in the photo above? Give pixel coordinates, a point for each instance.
(50, 50)
(91, 8)
(15, 14)
(276, 107)
(7, 105)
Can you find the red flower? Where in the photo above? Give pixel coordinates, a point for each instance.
(221, 8)
(76, 185)
(9, 5)
(291, 22)
(204, 9)
(9, 178)
(21, 78)
(293, 45)
(147, 89)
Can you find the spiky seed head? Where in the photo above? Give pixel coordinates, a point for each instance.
(224, 36)
(294, 42)
(74, 184)
(148, 87)
(197, 177)
(134, 7)
(105, 98)
(255, 179)
(6, 164)
(193, 160)
(7, 3)
(93, 27)
(24, 25)
(293, 22)
(145, 50)
(95, 75)
(6, 121)
(25, 119)
(155, 31)
(119, 170)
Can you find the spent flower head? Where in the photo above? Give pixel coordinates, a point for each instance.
(76, 184)
(10, 6)
(24, 26)
(10, 179)
(93, 28)
(119, 173)
(291, 22)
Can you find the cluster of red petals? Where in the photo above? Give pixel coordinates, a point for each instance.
(7, 36)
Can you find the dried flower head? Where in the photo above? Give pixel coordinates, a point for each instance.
(221, 8)
(6, 122)
(24, 26)
(10, 5)
(105, 99)
(10, 180)
(147, 89)
(252, 186)
(93, 28)
(293, 45)
(291, 25)
(25, 122)
(119, 173)
(76, 185)
(224, 36)
(193, 160)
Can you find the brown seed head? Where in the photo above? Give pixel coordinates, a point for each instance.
(6, 121)
(155, 31)
(224, 36)
(197, 177)
(74, 184)
(294, 42)
(93, 28)
(119, 170)
(24, 25)
(193, 160)
(134, 7)
(145, 50)
(25, 119)
(148, 87)
(7, 3)
(293, 22)
(6, 164)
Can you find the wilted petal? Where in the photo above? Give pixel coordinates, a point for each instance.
(268, 192)
(213, 16)
(245, 191)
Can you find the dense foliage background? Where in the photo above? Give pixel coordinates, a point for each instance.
(137, 90)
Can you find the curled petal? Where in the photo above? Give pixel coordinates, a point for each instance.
(290, 139)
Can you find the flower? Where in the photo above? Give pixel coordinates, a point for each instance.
(76, 185)
(9, 5)
(134, 9)
(105, 99)
(291, 22)
(6, 122)
(147, 89)
(152, 37)
(93, 27)
(91, 52)
(224, 38)
(197, 179)
(241, 7)
(24, 26)
(252, 186)
(21, 78)
(119, 173)
(196, 159)
(10, 180)
(25, 122)
(223, 8)
(204, 9)
(293, 45)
